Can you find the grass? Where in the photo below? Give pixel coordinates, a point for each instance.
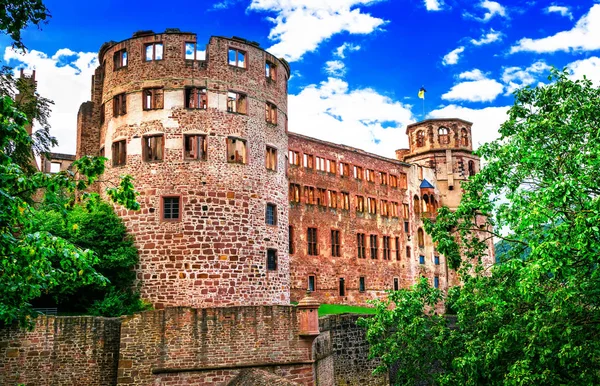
(330, 309)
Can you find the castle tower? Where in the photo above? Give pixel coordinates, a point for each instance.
(203, 130)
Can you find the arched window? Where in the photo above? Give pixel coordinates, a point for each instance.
(471, 168)
(420, 238)
(417, 204)
(420, 138)
(443, 136)
(464, 137)
(425, 203)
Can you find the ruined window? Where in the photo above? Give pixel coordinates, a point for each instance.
(237, 58)
(417, 204)
(372, 205)
(309, 162)
(309, 195)
(393, 209)
(373, 245)
(236, 103)
(421, 259)
(405, 210)
(294, 193)
(383, 178)
(171, 208)
(358, 172)
(360, 204)
(342, 287)
(360, 245)
(311, 239)
(102, 151)
(420, 172)
(153, 51)
(331, 166)
(192, 52)
(408, 254)
(345, 201)
(332, 198)
(294, 157)
(320, 164)
(436, 260)
(443, 136)
(236, 150)
(421, 238)
(361, 284)
(396, 284)
(311, 283)
(321, 197)
(420, 138)
(335, 243)
(119, 153)
(464, 137)
(196, 98)
(370, 175)
(291, 244)
(344, 169)
(384, 208)
(120, 59)
(271, 214)
(406, 226)
(471, 168)
(152, 98)
(271, 113)
(403, 182)
(436, 282)
(54, 167)
(271, 158)
(393, 181)
(386, 248)
(195, 147)
(271, 260)
(102, 116)
(153, 147)
(270, 71)
(119, 105)
(398, 248)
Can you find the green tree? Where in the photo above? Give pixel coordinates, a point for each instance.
(533, 318)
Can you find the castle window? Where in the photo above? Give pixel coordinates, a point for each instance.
(153, 98)
(120, 59)
(403, 184)
(270, 71)
(421, 238)
(443, 136)
(271, 158)
(372, 205)
(237, 58)
(102, 151)
(192, 53)
(361, 245)
(358, 172)
(370, 175)
(386, 248)
(153, 51)
(383, 178)
(406, 226)
(420, 172)
(309, 161)
(195, 147)
(321, 197)
(331, 166)
(417, 204)
(405, 211)
(421, 259)
(398, 248)
(464, 137)
(436, 282)
(344, 169)
(153, 147)
(393, 181)
(342, 287)
(360, 204)
(335, 243)
(332, 199)
(271, 113)
(320, 164)
(373, 245)
(420, 138)
(119, 153)
(311, 283)
(436, 260)
(396, 284)
(271, 214)
(408, 254)
(471, 168)
(271, 260)
(236, 150)
(345, 201)
(309, 195)
(119, 105)
(294, 157)
(384, 208)
(236, 103)
(291, 245)
(171, 208)
(393, 209)
(294, 193)
(196, 98)
(311, 239)
(361, 284)
(102, 116)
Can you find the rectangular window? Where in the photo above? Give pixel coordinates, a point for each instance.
(309, 162)
(271, 214)
(332, 199)
(171, 208)
(271, 158)
(372, 205)
(406, 226)
(358, 172)
(335, 243)
(153, 147)
(421, 259)
(294, 157)
(370, 175)
(309, 195)
(384, 208)
(386, 248)
(331, 166)
(383, 180)
(236, 103)
(153, 51)
(271, 260)
(436, 282)
(119, 105)
(344, 170)
(436, 260)
(420, 172)
(360, 204)
(396, 284)
(237, 58)
(294, 193)
(408, 254)
(311, 283)
(361, 284)
(342, 287)
(311, 239)
(119, 153)
(345, 201)
(120, 59)
(397, 248)
(393, 181)
(405, 211)
(321, 197)
(320, 164)
(271, 113)
(393, 209)
(291, 243)
(403, 183)
(192, 52)
(153, 98)
(373, 245)
(270, 71)
(195, 147)
(236, 150)
(196, 98)
(361, 247)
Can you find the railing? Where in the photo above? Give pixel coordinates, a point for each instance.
(47, 311)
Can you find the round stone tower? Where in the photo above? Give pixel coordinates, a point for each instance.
(203, 130)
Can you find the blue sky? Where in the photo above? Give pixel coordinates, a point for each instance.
(357, 64)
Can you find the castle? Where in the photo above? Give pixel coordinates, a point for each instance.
(236, 210)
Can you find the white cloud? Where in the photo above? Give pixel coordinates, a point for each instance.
(477, 88)
(589, 67)
(225, 4)
(362, 118)
(564, 11)
(340, 52)
(492, 8)
(65, 78)
(301, 25)
(434, 5)
(453, 56)
(517, 77)
(335, 68)
(487, 38)
(585, 36)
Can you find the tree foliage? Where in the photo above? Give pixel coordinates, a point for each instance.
(533, 318)
(17, 15)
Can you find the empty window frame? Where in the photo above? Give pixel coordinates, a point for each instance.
(384, 208)
(271, 113)
(408, 253)
(119, 105)
(195, 147)
(308, 161)
(270, 71)
(421, 259)
(271, 214)
(370, 175)
(360, 204)
(393, 209)
(309, 195)
(406, 226)
(192, 52)
(119, 153)
(373, 245)
(294, 193)
(402, 181)
(311, 241)
(420, 138)
(405, 210)
(335, 243)
(344, 170)
(361, 284)
(153, 147)
(443, 136)
(153, 51)
(236, 58)
(436, 282)
(196, 98)
(397, 248)
(421, 238)
(396, 284)
(320, 164)
(294, 157)
(236, 150)
(321, 197)
(291, 244)
(436, 260)
(342, 287)
(120, 59)
(311, 283)
(361, 247)
(332, 199)
(464, 137)
(393, 181)
(271, 158)
(471, 166)
(171, 208)
(372, 205)
(383, 178)
(331, 166)
(358, 172)
(271, 260)
(420, 172)
(387, 252)
(345, 201)
(236, 103)
(153, 98)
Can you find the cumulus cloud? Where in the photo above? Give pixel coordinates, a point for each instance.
(335, 68)
(301, 25)
(340, 52)
(563, 11)
(65, 78)
(362, 118)
(585, 36)
(589, 67)
(476, 88)
(434, 5)
(453, 56)
(517, 77)
(492, 8)
(487, 38)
